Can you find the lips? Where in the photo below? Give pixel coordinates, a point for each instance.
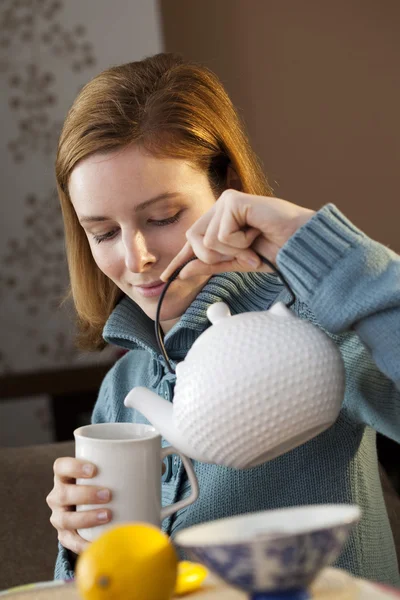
(150, 290)
(150, 285)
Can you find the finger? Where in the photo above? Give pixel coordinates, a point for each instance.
(197, 267)
(68, 468)
(72, 541)
(226, 234)
(184, 255)
(72, 520)
(233, 227)
(67, 495)
(240, 239)
(212, 228)
(187, 253)
(239, 242)
(194, 244)
(195, 237)
(204, 254)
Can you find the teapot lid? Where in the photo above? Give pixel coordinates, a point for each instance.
(219, 310)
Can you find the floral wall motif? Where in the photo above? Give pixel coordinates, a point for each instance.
(36, 23)
(40, 257)
(48, 50)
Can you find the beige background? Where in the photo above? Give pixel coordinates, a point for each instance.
(318, 84)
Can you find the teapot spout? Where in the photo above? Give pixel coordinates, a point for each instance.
(159, 413)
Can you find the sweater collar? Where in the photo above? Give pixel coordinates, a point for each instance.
(129, 327)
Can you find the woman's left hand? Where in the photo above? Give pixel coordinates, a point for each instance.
(234, 231)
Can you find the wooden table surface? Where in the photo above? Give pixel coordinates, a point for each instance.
(331, 584)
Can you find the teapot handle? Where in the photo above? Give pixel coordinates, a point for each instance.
(158, 331)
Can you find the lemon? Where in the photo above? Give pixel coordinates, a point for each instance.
(136, 561)
(190, 577)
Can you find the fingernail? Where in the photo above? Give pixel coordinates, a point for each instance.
(103, 494)
(88, 469)
(253, 262)
(102, 516)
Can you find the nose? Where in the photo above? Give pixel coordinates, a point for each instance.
(137, 255)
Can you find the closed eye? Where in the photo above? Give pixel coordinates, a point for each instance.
(158, 223)
(105, 236)
(164, 222)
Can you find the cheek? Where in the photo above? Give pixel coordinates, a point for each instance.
(106, 260)
(177, 242)
(166, 244)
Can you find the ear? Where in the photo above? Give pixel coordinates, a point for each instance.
(232, 179)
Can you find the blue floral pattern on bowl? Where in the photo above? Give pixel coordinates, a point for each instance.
(272, 561)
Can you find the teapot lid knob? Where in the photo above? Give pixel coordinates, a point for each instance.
(218, 311)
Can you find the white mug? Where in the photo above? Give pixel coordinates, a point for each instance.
(128, 459)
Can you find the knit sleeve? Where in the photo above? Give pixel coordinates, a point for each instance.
(65, 564)
(351, 282)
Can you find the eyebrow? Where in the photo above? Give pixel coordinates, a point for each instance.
(138, 208)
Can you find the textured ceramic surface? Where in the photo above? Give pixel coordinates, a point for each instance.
(252, 387)
(273, 550)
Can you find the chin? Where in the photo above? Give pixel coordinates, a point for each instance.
(174, 304)
(168, 313)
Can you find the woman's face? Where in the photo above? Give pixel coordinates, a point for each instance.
(135, 210)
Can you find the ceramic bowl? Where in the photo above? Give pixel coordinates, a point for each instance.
(271, 550)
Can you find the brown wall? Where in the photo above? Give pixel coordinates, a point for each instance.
(318, 84)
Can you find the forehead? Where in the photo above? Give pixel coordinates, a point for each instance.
(128, 170)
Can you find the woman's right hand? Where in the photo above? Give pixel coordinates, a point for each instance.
(66, 494)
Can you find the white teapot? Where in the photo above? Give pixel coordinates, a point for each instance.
(252, 387)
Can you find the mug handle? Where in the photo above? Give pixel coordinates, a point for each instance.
(166, 511)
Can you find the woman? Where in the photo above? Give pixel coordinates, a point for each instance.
(153, 166)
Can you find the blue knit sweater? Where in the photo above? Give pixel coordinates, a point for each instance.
(350, 286)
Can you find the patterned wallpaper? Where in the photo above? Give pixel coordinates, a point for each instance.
(48, 50)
